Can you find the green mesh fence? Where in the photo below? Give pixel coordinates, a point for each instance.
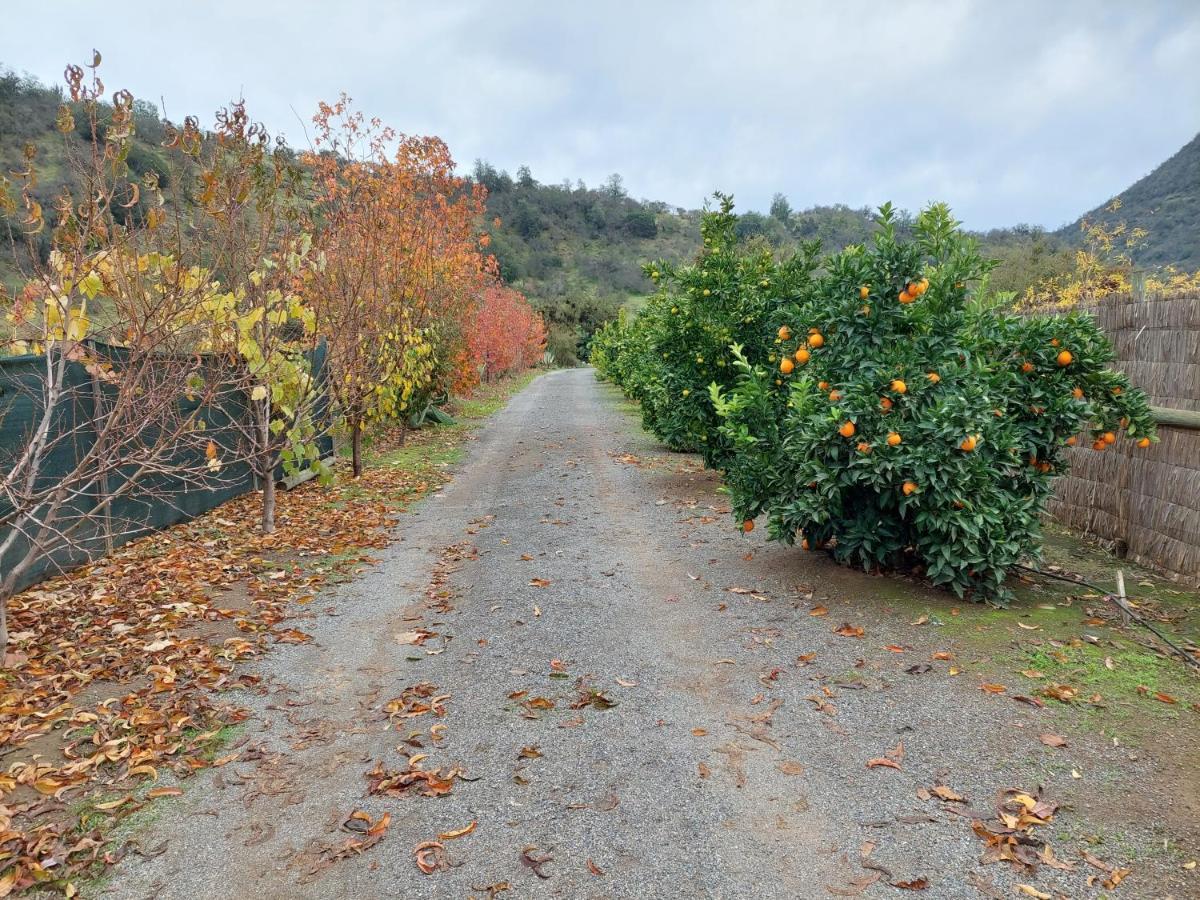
(153, 502)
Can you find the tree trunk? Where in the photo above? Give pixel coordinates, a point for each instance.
(266, 469)
(268, 504)
(356, 447)
(403, 432)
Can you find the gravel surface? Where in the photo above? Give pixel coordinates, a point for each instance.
(732, 764)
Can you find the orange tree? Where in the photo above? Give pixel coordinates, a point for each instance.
(923, 428)
(679, 343)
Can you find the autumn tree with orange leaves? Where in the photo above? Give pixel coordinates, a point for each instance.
(400, 265)
(508, 335)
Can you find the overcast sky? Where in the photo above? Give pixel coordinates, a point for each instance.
(1010, 111)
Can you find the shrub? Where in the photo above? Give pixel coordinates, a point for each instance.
(923, 430)
(679, 343)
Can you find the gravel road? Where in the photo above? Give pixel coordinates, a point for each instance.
(572, 564)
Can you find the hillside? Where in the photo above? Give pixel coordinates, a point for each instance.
(577, 252)
(1166, 203)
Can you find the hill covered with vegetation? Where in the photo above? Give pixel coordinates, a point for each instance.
(577, 251)
(1166, 205)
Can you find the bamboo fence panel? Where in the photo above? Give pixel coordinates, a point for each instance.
(1145, 502)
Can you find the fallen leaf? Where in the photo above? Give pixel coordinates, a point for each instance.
(787, 767)
(882, 762)
(848, 630)
(1052, 740)
(1030, 891)
(993, 688)
(155, 793)
(457, 833)
(818, 611)
(917, 884)
(539, 582)
(534, 862)
(594, 869)
(430, 856)
(947, 794)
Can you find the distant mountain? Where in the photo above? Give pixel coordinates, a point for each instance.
(1166, 203)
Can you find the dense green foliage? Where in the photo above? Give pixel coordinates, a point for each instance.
(686, 328)
(876, 406)
(1166, 203)
(577, 252)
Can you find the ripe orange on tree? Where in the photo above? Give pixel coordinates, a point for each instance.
(786, 365)
(910, 488)
(893, 439)
(899, 386)
(847, 429)
(802, 356)
(816, 340)
(969, 443)
(1064, 358)
(785, 333)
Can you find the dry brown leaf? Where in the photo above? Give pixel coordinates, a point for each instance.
(458, 832)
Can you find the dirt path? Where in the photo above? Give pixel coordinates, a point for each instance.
(572, 564)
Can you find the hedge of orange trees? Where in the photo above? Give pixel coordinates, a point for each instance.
(871, 403)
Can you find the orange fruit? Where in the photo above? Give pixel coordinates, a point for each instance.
(1027, 367)
(1144, 443)
(906, 297)
(864, 310)
(1108, 437)
(785, 333)
(786, 366)
(835, 396)
(823, 385)
(847, 429)
(1072, 441)
(1099, 445)
(748, 526)
(885, 404)
(804, 544)
(934, 377)
(802, 356)
(1065, 358)
(864, 292)
(1077, 393)
(815, 340)
(923, 286)
(969, 443)
(899, 386)
(910, 487)
(1117, 391)
(1054, 342)
(864, 447)
(893, 439)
